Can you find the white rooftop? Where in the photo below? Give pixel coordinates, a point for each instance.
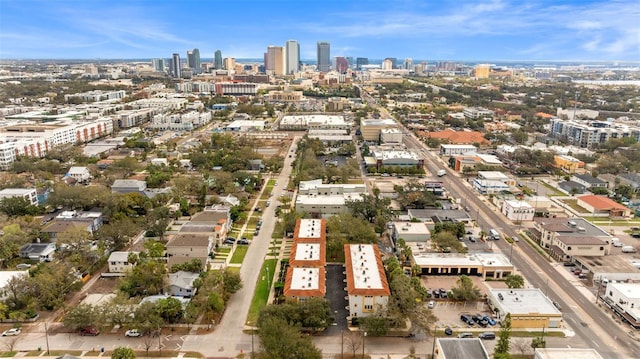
(411, 228)
(523, 301)
(393, 154)
(489, 158)
(305, 278)
(567, 353)
(377, 122)
(365, 267)
(16, 191)
(307, 251)
(630, 290)
(518, 204)
(459, 259)
(328, 200)
(315, 119)
(246, 123)
(492, 175)
(391, 130)
(310, 228)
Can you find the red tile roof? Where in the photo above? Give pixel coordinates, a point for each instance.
(302, 293)
(601, 202)
(351, 287)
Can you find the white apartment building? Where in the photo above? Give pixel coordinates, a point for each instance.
(97, 95)
(452, 150)
(624, 298)
(325, 200)
(518, 211)
(367, 285)
(180, 122)
(588, 133)
(30, 194)
(475, 113)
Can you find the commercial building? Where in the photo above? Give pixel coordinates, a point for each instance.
(603, 206)
(292, 57)
(482, 71)
(486, 265)
(460, 348)
(391, 135)
(323, 60)
(217, 60)
(275, 60)
(569, 237)
(245, 126)
(180, 121)
(496, 176)
(325, 200)
(97, 95)
(476, 113)
(340, 64)
(394, 158)
(452, 136)
(452, 150)
(314, 122)
(568, 163)
(566, 353)
(518, 211)
(624, 299)
(176, 66)
(529, 308)
(410, 232)
(367, 285)
(371, 128)
(488, 187)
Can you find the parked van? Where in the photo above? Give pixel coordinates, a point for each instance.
(494, 234)
(628, 249)
(487, 335)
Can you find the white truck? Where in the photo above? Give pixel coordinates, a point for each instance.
(628, 249)
(441, 173)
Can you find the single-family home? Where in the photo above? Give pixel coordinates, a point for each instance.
(181, 284)
(42, 252)
(79, 173)
(183, 248)
(30, 194)
(119, 262)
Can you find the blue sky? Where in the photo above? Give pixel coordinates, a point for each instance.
(585, 30)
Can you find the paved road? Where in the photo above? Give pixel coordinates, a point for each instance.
(590, 323)
(227, 340)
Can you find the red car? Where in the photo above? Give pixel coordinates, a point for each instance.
(89, 331)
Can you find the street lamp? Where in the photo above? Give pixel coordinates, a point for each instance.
(363, 341)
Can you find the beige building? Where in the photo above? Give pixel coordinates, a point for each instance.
(482, 71)
(569, 237)
(371, 128)
(367, 284)
(529, 308)
(319, 199)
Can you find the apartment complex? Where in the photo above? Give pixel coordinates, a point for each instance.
(325, 200)
(590, 133)
(306, 273)
(367, 285)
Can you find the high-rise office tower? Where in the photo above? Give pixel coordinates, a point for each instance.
(482, 71)
(176, 66)
(394, 62)
(193, 61)
(387, 64)
(350, 61)
(275, 59)
(340, 64)
(229, 63)
(324, 56)
(217, 60)
(408, 64)
(292, 57)
(360, 61)
(158, 65)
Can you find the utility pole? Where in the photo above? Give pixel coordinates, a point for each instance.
(433, 347)
(46, 335)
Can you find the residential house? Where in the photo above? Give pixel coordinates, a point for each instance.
(181, 284)
(572, 187)
(183, 248)
(79, 174)
(42, 252)
(89, 221)
(119, 262)
(367, 285)
(128, 186)
(589, 181)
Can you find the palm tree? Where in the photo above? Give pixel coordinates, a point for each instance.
(482, 235)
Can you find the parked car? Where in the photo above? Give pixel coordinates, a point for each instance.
(487, 335)
(256, 232)
(229, 241)
(436, 293)
(23, 266)
(467, 319)
(133, 333)
(89, 331)
(243, 241)
(268, 204)
(443, 293)
(448, 331)
(472, 239)
(11, 332)
(431, 304)
(557, 305)
(465, 335)
(577, 271)
(490, 320)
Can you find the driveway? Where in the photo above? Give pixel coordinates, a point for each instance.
(336, 295)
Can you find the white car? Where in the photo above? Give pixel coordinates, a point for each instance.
(133, 333)
(431, 304)
(11, 332)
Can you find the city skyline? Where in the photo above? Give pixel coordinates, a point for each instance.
(565, 30)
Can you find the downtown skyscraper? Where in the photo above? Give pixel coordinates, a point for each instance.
(274, 60)
(176, 66)
(193, 61)
(292, 57)
(217, 60)
(324, 56)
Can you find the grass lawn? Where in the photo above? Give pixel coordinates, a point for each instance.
(573, 203)
(552, 189)
(238, 254)
(235, 270)
(261, 295)
(616, 222)
(223, 250)
(271, 182)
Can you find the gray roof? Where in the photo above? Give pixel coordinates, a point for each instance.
(589, 178)
(442, 214)
(455, 348)
(578, 227)
(182, 279)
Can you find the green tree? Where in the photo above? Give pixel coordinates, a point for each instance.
(147, 318)
(117, 234)
(170, 309)
(82, 316)
(311, 315)
(374, 325)
(514, 281)
(465, 289)
(146, 278)
(503, 339)
(281, 340)
(18, 206)
(123, 353)
(448, 240)
(538, 342)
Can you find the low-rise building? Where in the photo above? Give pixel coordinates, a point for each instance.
(624, 299)
(371, 128)
(529, 308)
(489, 186)
(566, 353)
(30, 194)
(396, 158)
(183, 248)
(568, 163)
(589, 181)
(42, 252)
(181, 284)
(496, 176)
(518, 211)
(302, 283)
(367, 285)
(452, 150)
(245, 126)
(325, 200)
(128, 186)
(486, 265)
(602, 206)
(569, 237)
(460, 348)
(80, 174)
(391, 135)
(410, 232)
(119, 262)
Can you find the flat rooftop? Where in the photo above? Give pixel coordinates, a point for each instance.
(410, 228)
(310, 228)
(567, 353)
(615, 263)
(460, 260)
(630, 290)
(455, 348)
(572, 226)
(307, 252)
(524, 301)
(305, 279)
(377, 122)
